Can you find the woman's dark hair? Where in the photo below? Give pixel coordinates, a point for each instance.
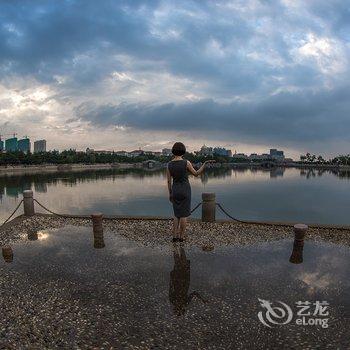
(179, 149)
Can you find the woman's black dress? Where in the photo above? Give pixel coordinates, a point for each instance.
(181, 189)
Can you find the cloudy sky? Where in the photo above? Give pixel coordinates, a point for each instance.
(248, 75)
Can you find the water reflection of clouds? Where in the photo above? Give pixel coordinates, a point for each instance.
(76, 243)
(325, 266)
(261, 268)
(329, 264)
(318, 279)
(249, 194)
(88, 195)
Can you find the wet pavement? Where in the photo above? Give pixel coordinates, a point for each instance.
(65, 288)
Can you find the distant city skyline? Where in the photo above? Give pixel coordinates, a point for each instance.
(16, 144)
(13, 144)
(118, 148)
(246, 75)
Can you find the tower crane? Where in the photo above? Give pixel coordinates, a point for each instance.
(14, 135)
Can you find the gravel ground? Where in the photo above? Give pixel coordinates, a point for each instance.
(158, 232)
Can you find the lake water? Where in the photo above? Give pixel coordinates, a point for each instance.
(293, 195)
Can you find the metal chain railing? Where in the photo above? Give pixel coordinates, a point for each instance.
(13, 213)
(196, 207)
(223, 210)
(60, 215)
(230, 216)
(48, 210)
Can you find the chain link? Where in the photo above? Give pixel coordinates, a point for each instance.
(196, 207)
(13, 213)
(223, 210)
(48, 210)
(230, 216)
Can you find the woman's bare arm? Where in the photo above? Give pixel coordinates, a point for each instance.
(195, 172)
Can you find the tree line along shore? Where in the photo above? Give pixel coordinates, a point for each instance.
(72, 157)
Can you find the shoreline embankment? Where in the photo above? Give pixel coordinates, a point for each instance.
(47, 168)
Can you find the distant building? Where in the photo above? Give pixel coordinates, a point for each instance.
(89, 151)
(254, 156)
(259, 157)
(39, 146)
(136, 153)
(220, 151)
(238, 156)
(11, 145)
(206, 151)
(121, 153)
(276, 154)
(166, 152)
(24, 145)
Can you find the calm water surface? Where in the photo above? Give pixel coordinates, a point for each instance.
(171, 296)
(292, 195)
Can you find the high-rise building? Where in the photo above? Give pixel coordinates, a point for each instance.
(24, 145)
(276, 154)
(220, 151)
(39, 146)
(11, 145)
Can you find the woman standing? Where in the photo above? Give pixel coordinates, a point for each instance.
(180, 189)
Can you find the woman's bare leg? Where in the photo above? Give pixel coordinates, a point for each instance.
(175, 227)
(183, 224)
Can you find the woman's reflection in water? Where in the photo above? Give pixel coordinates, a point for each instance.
(180, 278)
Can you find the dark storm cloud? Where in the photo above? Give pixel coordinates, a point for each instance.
(44, 38)
(283, 118)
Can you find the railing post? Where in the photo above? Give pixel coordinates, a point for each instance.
(208, 207)
(28, 203)
(97, 219)
(7, 254)
(299, 232)
(298, 245)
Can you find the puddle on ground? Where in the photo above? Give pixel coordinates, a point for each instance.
(65, 287)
